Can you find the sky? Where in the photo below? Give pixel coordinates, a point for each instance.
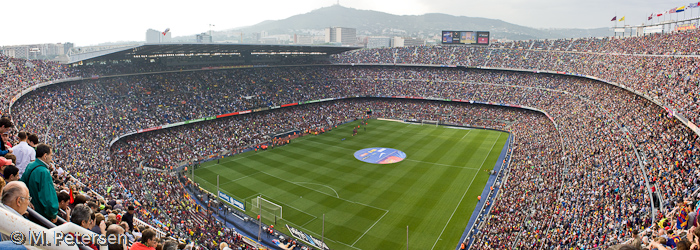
(92, 22)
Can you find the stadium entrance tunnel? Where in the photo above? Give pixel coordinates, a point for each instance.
(380, 155)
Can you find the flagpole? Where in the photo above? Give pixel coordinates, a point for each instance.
(615, 29)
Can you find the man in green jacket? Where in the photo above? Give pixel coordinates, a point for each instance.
(37, 176)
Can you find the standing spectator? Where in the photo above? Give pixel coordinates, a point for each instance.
(24, 153)
(148, 241)
(5, 126)
(33, 140)
(129, 217)
(40, 184)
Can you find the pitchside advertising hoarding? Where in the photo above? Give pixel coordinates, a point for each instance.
(307, 238)
(231, 201)
(465, 37)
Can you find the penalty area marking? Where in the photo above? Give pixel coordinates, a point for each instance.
(336, 193)
(370, 228)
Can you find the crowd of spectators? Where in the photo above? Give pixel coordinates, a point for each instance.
(663, 66)
(593, 145)
(582, 176)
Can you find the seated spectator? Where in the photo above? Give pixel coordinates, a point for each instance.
(15, 195)
(148, 241)
(127, 230)
(224, 246)
(40, 184)
(172, 245)
(99, 219)
(12, 158)
(116, 239)
(83, 216)
(10, 173)
(5, 126)
(63, 208)
(3, 163)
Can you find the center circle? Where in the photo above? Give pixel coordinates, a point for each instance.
(380, 155)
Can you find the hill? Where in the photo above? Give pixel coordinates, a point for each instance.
(375, 23)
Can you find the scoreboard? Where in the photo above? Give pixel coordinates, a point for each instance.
(465, 37)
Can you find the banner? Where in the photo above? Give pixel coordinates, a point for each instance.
(231, 201)
(688, 26)
(149, 129)
(307, 238)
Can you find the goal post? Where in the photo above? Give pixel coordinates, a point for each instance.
(267, 207)
(429, 122)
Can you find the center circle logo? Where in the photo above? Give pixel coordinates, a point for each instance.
(380, 155)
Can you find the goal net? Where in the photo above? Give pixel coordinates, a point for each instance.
(269, 209)
(429, 122)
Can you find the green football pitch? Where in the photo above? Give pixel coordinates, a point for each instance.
(433, 190)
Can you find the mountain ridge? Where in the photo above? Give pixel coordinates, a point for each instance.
(376, 23)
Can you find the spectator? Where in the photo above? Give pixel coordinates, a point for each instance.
(5, 126)
(24, 153)
(33, 140)
(99, 220)
(224, 246)
(40, 184)
(115, 238)
(83, 216)
(129, 217)
(171, 245)
(148, 241)
(64, 210)
(11, 173)
(127, 230)
(15, 196)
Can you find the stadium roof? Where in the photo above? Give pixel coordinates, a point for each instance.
(206, 49)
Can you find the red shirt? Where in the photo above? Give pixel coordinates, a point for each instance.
(140, 246)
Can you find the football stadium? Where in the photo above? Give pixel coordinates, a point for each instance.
(585, 143)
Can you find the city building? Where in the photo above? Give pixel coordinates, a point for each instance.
(378, 42)
(154, 36)
(344, 36)
(407, 42)
(204, 38)
(46, 51)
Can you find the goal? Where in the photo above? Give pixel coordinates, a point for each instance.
(429, 122)
(269, 209)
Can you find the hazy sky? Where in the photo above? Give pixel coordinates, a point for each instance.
(91, 22)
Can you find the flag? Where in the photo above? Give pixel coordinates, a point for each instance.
(680, 9)
(660, 14)
(682, 219)
(650, 16)
(166, 31)
(614, 18)
(671, 11)
(622, 19)
(693, 5)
